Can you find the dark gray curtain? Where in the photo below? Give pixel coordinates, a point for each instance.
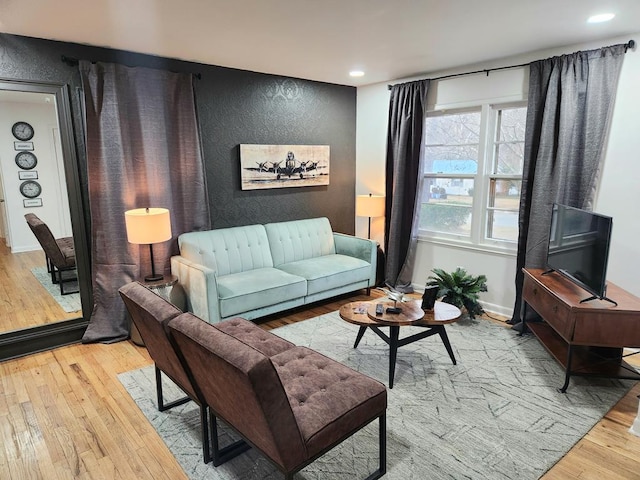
(143, 150)
(407, 108)
(570, 103)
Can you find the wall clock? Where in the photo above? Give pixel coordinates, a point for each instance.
(26, 160)
(22, 131)
(30, 189)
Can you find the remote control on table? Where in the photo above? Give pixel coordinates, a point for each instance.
(379, 309)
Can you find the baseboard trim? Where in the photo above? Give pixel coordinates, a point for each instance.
(41, 338)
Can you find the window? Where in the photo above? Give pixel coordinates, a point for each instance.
(473, 174)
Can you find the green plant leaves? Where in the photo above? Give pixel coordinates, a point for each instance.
(459, 288)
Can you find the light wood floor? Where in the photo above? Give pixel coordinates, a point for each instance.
(24, 302)
(65, 415)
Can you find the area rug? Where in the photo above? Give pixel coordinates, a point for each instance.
(70, 302)
(497, 414)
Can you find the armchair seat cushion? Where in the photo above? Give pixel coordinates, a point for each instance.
(243, 291)
(329, 400)
(68, 250)
(328, 271)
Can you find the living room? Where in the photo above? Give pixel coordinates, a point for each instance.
(233, 105)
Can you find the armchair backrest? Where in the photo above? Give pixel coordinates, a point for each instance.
(241, 385)
(151, 313)
(46, 239)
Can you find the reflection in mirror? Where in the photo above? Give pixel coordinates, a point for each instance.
(32, 183)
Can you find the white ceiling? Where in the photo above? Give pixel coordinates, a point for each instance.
(324, 39)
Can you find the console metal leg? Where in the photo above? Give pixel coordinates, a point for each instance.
(567, 374)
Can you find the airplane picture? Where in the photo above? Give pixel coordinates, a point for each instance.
(277, 166)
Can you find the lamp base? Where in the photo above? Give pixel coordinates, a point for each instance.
(153, 278)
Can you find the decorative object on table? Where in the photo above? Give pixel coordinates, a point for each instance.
(429, 297)
(392, 294)
(22, 131)
(30, 189)
(279, 166)
(148, 226)
(26, 160)
(460, 289)
(370, 206)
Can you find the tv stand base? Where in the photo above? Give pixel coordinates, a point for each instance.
(595, 297)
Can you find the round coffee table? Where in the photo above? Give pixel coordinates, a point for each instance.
(364, 315)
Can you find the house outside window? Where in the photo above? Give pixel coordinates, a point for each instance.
(472, 175)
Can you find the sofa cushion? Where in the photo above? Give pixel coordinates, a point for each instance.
(300, 240)
(329, 271)
(228, 250)
(245, 291)
(329, 400)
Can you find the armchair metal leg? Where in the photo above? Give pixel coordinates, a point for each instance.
(222, 455)
(382, 469)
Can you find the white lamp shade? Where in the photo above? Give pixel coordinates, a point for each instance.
(370, 205)
(148, 225)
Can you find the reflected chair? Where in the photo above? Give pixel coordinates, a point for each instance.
(59, 253)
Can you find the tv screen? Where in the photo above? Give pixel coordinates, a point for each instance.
(579, 247)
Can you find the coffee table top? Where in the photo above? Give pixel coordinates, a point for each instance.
(363, 313)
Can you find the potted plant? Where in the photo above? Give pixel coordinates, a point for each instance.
(460, 289)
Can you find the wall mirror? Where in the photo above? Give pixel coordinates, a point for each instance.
(39, 175)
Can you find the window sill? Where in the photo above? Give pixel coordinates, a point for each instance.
(480, 248)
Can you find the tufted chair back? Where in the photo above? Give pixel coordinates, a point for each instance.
(300, 240)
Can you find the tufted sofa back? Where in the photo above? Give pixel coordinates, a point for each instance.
(300, 240)
(228, 250)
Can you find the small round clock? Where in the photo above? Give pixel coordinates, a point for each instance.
(22, 131)
(30, 189)
(26, 160)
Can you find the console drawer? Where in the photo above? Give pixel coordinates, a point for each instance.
(555, 312)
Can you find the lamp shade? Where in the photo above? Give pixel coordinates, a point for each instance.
(148, 225)
(370, 205)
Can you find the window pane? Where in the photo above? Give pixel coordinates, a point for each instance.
(457, 129)
(451, 159)
(505, 194)
(503, 225)
(446, 205)
(510, 140)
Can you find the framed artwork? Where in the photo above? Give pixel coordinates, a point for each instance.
(283, 166)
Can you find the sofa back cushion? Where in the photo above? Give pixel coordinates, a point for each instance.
(300, 240)
(241, 385)
(228, 250)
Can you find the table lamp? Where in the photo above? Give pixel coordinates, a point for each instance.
(370, 206)
(148, 226)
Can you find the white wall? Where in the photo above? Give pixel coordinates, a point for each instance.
(618, 195)
(55, 207)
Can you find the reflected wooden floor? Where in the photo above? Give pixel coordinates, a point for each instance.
(65, 415)
(24, 302)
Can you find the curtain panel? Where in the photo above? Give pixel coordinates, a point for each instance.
(407, 109)
(569, 110)
(143, 150)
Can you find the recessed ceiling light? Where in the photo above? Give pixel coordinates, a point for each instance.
(356, 73)
(603, 17)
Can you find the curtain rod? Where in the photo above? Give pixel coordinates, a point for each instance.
(74, 62)
(630, 44)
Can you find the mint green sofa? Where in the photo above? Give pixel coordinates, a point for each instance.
(257, 270)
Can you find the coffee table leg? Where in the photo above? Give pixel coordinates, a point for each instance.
(361, 331)
(393, 350)
(445, 340)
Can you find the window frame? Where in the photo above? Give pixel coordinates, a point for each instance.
(483, 179)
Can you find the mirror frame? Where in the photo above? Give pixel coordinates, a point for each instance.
(17, 343)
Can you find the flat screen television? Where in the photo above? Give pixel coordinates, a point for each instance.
(579, 248)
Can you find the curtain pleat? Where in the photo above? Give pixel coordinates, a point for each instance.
(407, 108)
(569, 111)
(143, 150)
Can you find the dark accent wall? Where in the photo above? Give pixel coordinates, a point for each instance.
(234, 107)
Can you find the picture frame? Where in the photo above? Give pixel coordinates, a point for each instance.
(284, 166)
(28, 175)
(23, 146)
(32, 202)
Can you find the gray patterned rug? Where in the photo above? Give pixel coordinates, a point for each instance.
(69, 302)
(495, 415)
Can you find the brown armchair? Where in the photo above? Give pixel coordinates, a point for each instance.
(292, 406)
(59, 253)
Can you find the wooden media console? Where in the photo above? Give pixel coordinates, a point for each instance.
(585, 338)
